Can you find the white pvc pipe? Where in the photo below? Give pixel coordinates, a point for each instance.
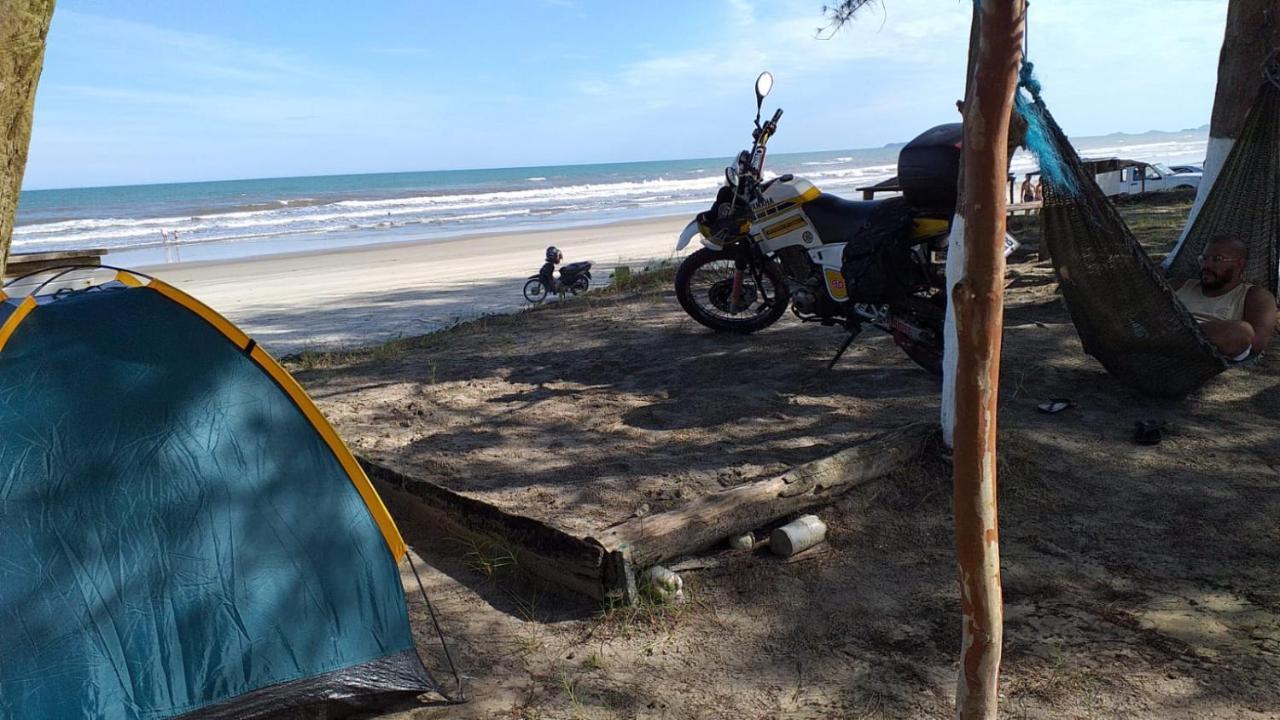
(950, 354)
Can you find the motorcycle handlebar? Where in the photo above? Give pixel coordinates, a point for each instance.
(777, 115)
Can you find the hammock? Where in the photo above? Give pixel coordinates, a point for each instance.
(1124, 308)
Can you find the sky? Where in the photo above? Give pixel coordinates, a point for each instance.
(143, 91)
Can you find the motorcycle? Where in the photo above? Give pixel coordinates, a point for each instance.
(781, 242)
(575, 278)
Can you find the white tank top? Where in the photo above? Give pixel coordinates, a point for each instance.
(1229, 306)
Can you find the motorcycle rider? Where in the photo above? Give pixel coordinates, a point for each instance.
(548, 272)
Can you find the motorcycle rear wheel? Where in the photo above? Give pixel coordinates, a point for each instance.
(928, 314)
(580, 285)
(704, 281)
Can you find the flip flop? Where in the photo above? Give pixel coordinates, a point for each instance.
(1054, 406)
(1147, 432)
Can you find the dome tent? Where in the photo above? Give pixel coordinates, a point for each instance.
(181, 531)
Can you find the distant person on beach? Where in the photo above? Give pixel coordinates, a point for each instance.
(548, 272)
(1028, 193)
(1039, 191)
(1238, 318)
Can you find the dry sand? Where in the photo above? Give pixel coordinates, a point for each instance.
(290, 303)
(1140, 582)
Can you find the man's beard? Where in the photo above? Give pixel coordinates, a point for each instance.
(1210, 280)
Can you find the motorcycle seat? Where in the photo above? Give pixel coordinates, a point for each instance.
(838, 220)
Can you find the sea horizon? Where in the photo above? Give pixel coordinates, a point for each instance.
(158, 223)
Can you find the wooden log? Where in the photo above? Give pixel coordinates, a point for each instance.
(536, 548)
(706, 521)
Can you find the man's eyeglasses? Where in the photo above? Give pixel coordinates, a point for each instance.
(1216, 259)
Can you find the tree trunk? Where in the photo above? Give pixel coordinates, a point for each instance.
(978, 299)
(955, 246)
(1253, 31)
(24, 25)
(956, 261)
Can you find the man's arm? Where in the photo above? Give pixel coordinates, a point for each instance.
(1260, 313)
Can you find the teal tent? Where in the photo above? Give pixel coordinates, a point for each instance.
(181, 533)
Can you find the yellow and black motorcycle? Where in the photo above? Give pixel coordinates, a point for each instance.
(778, 243)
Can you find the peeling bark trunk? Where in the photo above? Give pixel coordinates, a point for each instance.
(978, 300)
(1252, 32)
(956, 262)
(956, 249)
(24, 25)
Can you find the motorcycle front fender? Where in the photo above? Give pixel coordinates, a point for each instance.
(687, 234)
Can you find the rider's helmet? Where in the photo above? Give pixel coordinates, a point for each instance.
(554, 255)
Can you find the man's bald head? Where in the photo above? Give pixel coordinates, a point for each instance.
(1223, 262)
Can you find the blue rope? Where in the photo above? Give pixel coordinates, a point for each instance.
(1039, 142)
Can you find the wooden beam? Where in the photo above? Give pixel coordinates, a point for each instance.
(707, 521)
(538, 549)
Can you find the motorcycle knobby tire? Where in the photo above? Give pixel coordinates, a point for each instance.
(706, 256)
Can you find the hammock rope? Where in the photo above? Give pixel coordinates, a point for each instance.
(1125, 310)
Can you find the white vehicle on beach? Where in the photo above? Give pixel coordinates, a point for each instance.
(1153, 178)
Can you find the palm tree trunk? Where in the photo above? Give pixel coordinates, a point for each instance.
(978, 299)
(1252, 32)
(24, 25)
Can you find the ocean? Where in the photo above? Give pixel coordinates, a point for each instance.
(197, 221)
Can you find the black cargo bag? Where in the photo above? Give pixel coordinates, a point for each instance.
(877, 265)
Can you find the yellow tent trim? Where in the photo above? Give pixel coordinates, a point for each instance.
(377, 509)
(233, 333)
(11, 324)
(358, 477)
(128, 279)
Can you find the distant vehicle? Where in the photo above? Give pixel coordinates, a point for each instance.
(1117, 176)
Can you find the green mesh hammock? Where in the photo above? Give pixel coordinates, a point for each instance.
(1123, 305)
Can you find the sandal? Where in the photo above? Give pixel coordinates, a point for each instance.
(1054, 406)
(1147, 432)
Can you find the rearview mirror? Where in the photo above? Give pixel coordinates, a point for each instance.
(764, 84)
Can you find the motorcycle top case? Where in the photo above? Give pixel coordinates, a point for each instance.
(929, 169)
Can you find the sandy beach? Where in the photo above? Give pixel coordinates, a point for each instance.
(364, 295)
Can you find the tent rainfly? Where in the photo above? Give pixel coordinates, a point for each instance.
(182, 534)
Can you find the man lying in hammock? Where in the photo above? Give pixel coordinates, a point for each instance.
(1237, 317)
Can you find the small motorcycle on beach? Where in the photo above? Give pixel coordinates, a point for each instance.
(575, 278)
(778, 243)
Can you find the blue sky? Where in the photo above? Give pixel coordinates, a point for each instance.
(144, 91)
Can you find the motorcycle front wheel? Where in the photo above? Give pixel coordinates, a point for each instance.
(535, 291)
(704, 287)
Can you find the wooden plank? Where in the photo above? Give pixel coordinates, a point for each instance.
(572, 563)
(707, 521)
(26, 263)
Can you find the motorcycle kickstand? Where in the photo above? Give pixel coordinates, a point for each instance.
(853, 333)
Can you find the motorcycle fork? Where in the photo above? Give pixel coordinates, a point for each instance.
(741, 264)
(749, 260)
